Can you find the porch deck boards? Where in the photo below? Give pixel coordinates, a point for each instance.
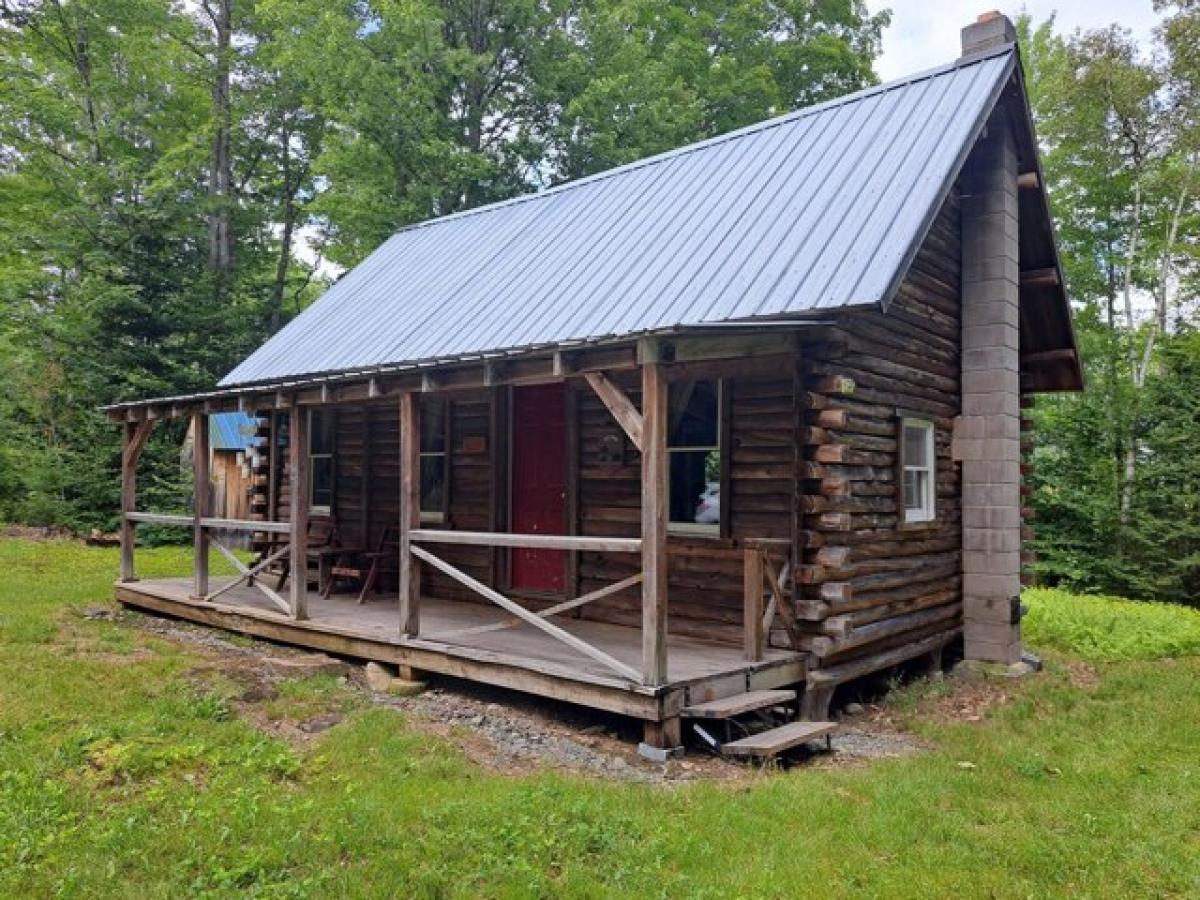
(521, 656)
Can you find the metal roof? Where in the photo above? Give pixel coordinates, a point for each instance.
(818, 209)
(232, 431)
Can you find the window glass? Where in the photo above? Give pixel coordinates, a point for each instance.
(433, 427)
(694, 456)
(321, 423)
(433, 460)
(919, 464)
(322, 483)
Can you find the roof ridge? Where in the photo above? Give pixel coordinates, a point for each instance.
(717, 139)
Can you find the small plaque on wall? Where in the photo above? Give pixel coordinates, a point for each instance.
(474, 443)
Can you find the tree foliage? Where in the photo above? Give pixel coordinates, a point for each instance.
(1118, 492)
(174, 176)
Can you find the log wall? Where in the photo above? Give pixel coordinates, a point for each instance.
(871, 583)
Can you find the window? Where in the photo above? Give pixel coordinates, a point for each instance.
(694, 456)
(433, 461)
(919, 466)
(320, 460)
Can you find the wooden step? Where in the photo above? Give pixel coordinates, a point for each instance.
(766, 744)
(729, 707)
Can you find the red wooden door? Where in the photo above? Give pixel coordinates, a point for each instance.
(539, 483)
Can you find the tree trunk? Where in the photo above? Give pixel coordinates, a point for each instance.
(275, 314)
(1129, 466)
(220, 180)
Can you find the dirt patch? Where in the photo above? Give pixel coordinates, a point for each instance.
(36, 532)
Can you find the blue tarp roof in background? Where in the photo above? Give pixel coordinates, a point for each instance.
(232, 431)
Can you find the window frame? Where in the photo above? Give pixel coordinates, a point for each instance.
(316, 508)
(719, 528)
(436, 516)
(926, 514)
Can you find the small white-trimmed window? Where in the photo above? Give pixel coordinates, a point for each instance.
(919, 467)
(433, 461)
(320, 460)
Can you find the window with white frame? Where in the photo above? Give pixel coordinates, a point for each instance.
(320, 460)
(919, 467)
(694, 456)
(433, 461)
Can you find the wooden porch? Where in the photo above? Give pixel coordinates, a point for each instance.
(483, 644)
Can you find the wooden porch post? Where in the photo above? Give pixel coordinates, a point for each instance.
(133, 439)
(654, 524)
(410, 513)
(298, 507)
(202, 490)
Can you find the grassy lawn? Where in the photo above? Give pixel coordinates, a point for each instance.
(120, 776)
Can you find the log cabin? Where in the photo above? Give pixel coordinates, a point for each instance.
(731, 424)
(233, 440)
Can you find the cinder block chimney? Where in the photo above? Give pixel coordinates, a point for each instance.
(988, 432)
(990, 30)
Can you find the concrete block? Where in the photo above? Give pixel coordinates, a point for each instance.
(993, 194)
(987, 381)
(983, 449)
(990, 311)
(1003, 402)
(993, 426)
(991, 517)
(984, 266)
(991, 357)
(997, 610)
(974, 248)
(995, 222)
(975, 585)
(1008, 652)
(986, 562)
(991, 290)
(991, 494)
(991, 472)
(977, 336)
(992, 540)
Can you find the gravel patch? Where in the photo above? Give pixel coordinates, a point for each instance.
(504, 731)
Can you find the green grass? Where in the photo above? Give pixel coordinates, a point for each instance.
(126, 770)
(1107, 629)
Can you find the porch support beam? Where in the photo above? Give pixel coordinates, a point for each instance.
(410, 514)
(298, 509)
(134, 437)
(202, 492)
(654, 525)
(620, 406)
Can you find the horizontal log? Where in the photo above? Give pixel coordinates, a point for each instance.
(837, 385)
(246, 525)
(529, 541)
(160, 519)
(825, 645)
(856, 668)
(870, 614)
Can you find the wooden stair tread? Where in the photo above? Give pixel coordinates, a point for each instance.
(769, 743)
(728, 707)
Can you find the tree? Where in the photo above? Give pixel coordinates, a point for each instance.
(1120, 160)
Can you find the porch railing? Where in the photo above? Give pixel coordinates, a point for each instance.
(206, 527)
(518, 613)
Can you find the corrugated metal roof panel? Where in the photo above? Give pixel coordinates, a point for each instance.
(818, 209)
(232, 431)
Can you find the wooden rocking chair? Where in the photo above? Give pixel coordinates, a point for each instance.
(364, 568)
